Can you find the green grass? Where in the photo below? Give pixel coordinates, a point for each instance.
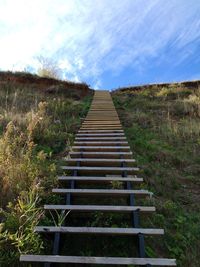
(163, 128)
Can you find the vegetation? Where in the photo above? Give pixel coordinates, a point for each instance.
(162, 125)
(49, 68)
(36, 129)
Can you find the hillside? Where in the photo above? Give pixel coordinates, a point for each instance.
(162, 124)
(44, 84)
(38, 120)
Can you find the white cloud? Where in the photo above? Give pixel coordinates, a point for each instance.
(90, 37)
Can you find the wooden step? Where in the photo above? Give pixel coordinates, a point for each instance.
(101, 148)
(97, 162)
(102, 124)
(99, 230)
(105, 110)
(98, 260)
(101, 131)
(102, 115)
(100, 162)
(106, 126)
(112, 192)
(102, 208)
(101, 128)
(100, 169)
(111, 122)
(101, 134)
(100, 143)
(118, 138)
(93, 118)
(100, 179)
(95, 154)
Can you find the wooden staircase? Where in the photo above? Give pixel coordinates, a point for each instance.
(100, 155)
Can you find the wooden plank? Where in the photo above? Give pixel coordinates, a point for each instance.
(118, 138)
(95, 125)
(95, 154)
(100, 169)
(93, 118)
(102, 208)
(100, 179)
(100, 131)
(112, 192)
(100, 143)
(111, 122)
(98, 260)
(104, 134)
(101, 128)
(100, 164)
(101, 160)
(101, 148)
(102, 123)
(102, 115)
(99, 230)
(102, 153)
(106, 126)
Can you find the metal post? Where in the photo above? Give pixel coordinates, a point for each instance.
(135, 217)
(68, 201)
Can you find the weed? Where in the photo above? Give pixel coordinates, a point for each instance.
(17, 228)
(60, 217)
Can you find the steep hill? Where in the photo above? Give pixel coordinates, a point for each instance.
(38, 120)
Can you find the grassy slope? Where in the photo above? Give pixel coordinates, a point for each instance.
(36, 129)
(162, 125)
(163, 128)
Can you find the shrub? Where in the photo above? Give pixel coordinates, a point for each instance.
(17, 228)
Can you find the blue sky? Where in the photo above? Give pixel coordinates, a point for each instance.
(106, 43)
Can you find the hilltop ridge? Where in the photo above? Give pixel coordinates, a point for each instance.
(46, 84)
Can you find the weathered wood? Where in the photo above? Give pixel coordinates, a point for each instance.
(101, 169)
(112, 192)
(98, 260)
(102, 208)
(101, 127)
(104, 121)
(99, 230)
(99, 138)
(96, 143)
(113, 122)
(102, 134)
(99, 179)
(100, 160)
(100, 131)
(101, 148)
(99, 154)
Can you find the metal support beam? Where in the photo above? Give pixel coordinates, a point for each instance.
(57, 236)
(135, 217)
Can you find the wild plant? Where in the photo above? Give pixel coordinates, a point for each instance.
(17, 226)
